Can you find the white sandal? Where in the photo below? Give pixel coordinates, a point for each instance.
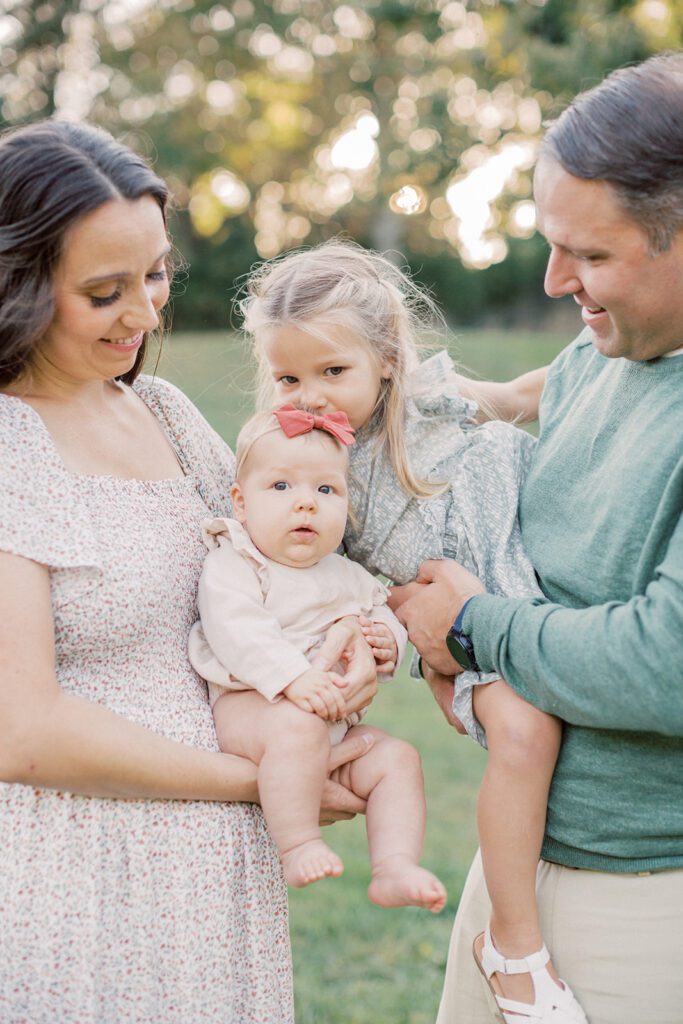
(552, 1004)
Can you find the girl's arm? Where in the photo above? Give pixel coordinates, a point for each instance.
(515, 400)
(51, 738)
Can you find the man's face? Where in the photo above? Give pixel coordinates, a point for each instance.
(631, 300)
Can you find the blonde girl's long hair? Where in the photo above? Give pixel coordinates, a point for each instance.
(341, 284)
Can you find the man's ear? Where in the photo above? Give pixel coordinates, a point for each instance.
(239, 509)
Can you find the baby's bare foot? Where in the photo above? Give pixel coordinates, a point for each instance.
(310, 862)
(400, 883)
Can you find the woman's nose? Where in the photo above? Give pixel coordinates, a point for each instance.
(141, 314)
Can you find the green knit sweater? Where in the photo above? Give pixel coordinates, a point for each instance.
(602, 520)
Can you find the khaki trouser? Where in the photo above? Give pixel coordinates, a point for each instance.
(616, 939)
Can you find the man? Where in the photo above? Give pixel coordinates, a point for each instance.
(602, 520)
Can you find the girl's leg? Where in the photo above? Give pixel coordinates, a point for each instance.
(389, 777)
(523, 745)
(291, 748)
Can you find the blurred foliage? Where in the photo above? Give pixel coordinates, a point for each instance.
(409, 125)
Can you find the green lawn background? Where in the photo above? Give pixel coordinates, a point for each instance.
(355, 963)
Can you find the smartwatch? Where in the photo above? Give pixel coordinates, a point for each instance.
(459, 645)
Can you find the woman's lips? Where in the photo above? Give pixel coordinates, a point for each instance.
(124, 344)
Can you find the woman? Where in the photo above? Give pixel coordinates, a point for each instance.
(130, 890)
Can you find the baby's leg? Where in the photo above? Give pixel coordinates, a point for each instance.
(523, 745)
(291, 748)
(389, 777)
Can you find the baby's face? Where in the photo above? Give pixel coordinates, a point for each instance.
(292, 497)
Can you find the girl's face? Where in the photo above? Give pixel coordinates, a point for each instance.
(291, 495)
(330, 371)
(109, 287)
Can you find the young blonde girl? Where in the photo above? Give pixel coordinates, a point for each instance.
(271, 587)
(336, 327)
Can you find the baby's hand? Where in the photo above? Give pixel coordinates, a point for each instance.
(317, 692)
(383, 644)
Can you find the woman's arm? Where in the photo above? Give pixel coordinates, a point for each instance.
(515, 400)
(54, 739)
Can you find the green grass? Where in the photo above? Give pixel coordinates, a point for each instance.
(355, 963)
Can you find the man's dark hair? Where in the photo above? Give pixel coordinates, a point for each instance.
(628, 131)
(52, 174)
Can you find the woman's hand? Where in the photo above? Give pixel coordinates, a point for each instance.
(345, 642)
(429, 606)
(338, 802)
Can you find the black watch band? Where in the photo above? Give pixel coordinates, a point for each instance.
(459, 644)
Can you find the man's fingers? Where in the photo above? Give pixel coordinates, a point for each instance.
(428, 571)
(398, 595)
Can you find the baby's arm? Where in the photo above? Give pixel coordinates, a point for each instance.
(240, 642)
(385, 635)
(515, 400)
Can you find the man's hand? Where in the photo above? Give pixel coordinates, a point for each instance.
(442, 688)
(429, 606)
(345, 643)
(338, 802)
(383, 644)
(318, 692)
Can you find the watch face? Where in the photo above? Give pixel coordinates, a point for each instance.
(458, 651)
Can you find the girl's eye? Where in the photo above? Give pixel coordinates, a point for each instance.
(105, 300)
(287, 379)
(326, 489)
(334, 371)
(280, 485)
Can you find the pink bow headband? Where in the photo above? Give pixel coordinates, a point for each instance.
(297, 421)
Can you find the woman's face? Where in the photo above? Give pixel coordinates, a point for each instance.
(109, 286)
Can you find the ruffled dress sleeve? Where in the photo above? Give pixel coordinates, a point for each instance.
(202, 453)
(44, 515)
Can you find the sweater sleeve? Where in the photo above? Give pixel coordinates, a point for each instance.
(612, 666)
(240, 632)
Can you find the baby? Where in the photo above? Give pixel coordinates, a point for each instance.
(271, 587)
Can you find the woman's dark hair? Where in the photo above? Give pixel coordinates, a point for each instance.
(628, 131)
(52, 174)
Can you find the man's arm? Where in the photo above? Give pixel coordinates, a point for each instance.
(515, 400)
(611, 666)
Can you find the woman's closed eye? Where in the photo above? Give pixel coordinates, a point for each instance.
(108, 300)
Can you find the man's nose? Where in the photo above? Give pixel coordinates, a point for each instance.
(561, 276)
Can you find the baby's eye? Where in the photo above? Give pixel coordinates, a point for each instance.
(334, 371)
(326, 489)
(280, 485)
(288, 379)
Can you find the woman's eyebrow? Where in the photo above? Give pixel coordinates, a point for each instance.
(122, 274)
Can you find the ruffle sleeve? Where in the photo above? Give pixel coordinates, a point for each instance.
(202, 453)
(229, 531)
(43, 514)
